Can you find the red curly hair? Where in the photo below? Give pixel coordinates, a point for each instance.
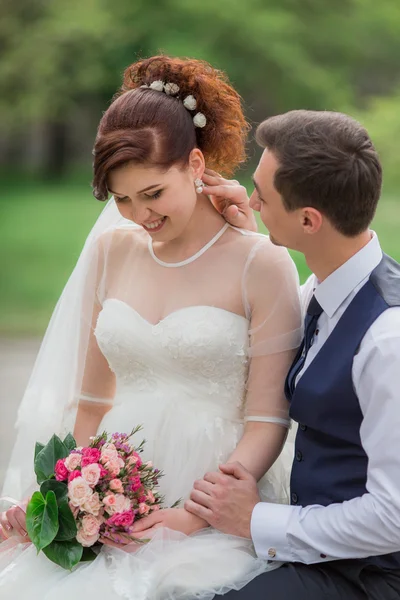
(145, 126)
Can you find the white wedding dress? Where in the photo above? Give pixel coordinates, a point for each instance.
(184, 377)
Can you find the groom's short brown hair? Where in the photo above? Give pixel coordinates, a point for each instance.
(327, 161)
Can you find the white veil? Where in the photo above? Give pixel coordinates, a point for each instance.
(51, 398)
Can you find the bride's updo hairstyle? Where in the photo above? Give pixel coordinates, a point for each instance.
(165, 108)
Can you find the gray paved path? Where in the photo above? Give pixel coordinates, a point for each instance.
(17, 357)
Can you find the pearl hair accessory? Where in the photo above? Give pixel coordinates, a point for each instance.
(199, 185)
(190, 102)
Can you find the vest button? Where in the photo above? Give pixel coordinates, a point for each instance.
(295, 498)
(323, 555)
(299, 456)
(303, 427)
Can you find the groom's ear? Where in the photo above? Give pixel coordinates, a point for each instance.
(311, 220)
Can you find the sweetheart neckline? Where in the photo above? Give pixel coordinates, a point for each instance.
(175, 312)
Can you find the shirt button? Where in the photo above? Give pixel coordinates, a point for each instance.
(295, 498)
(299, 456)
(316, 331)
(272, 552)
(303, 427)
(323, 555)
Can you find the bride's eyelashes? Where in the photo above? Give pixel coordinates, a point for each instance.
(154, 196)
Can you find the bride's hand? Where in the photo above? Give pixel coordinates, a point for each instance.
(13, 522)
(230, 199)
(172, 518)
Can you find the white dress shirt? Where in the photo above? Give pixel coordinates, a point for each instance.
(368, 525)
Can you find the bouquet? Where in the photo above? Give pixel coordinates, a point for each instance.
(88, 493)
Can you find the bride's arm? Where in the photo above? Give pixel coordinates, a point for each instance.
(97, 391)
(272, 304)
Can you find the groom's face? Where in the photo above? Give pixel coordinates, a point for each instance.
(283, 226)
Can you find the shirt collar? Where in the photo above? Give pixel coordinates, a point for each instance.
(334, 290)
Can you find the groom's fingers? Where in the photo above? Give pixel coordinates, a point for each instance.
(237, 470)
(201, 498)
(199, 511)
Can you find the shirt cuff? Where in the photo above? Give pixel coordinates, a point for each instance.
(269, 524)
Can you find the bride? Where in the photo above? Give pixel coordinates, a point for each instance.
(171, 319)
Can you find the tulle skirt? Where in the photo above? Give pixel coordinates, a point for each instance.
(185, 440)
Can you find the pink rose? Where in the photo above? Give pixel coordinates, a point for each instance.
(86, 540)
(79, 491)
(142, 499)
(135, 483)
(108, 453)
(114, 466)
(116, 486)
(135, 459)
(90, 456)
(116, 503)
(73, 460)
(124, 519)
(93, 505)
(61, 470)
(91, 474)
(149, 464)
(143, 508)
(150, 497)
(73, 475)
(90, 525)
(156, 507)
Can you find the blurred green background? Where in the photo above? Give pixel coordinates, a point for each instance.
(61, 62)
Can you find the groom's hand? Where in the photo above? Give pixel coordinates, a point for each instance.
(226, 500)
(230, 199)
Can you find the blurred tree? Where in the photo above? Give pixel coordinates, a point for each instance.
(62, 62)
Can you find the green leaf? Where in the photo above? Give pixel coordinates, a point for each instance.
(67, 524)
(42, 519)
(45, 461)
(88, 555)
(38, 448)
(58, 487)
(70, 442)
(64, 554)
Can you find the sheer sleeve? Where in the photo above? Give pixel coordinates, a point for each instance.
(271, 296)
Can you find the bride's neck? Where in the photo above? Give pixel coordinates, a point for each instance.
(203, 226)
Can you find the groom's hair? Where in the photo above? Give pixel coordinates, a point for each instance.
(327, 161)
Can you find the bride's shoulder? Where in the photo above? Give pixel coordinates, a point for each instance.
(259, 249)
(125, 237)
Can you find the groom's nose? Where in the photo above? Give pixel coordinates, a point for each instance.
(254, 202)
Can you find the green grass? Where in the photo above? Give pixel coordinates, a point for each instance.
(42, 231)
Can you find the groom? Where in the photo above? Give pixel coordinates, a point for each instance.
(316, 189)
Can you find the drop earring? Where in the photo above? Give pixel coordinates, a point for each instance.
(199, 185)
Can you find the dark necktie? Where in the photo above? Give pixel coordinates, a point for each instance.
(314, 311)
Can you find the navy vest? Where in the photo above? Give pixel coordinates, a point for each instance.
(330, 464)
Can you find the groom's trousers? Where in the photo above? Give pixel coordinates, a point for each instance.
(338, 580)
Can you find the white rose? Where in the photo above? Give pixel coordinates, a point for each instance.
(93, 505)
(91, 474)
(79, 491)
(73, 461)
(157, 85)
(190, 102)
(199, 120)
(171, 89)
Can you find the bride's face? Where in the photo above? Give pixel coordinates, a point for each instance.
(162, 202)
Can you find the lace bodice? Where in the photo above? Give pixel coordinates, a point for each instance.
(195, 352)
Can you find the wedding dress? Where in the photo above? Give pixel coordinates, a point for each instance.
(190, 351)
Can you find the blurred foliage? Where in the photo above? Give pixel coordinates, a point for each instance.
(61, 63)
(279, 53)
